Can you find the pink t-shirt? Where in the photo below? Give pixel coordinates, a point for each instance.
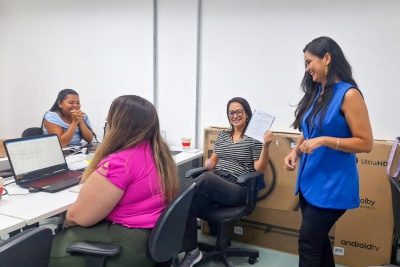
(134, 171)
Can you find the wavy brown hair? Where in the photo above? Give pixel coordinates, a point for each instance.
(133, 120)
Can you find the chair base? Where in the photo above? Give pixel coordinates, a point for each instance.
(213, 254)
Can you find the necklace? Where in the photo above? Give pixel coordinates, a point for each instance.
(65, 119)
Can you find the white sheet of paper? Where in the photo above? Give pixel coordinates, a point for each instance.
(260, 122)
(76, 189)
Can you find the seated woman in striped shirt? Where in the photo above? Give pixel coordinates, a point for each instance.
(234, 154)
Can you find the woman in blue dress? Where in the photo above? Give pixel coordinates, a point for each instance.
(334, 124)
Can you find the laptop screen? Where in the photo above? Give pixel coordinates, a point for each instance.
(35, 157)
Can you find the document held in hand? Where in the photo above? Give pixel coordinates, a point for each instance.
(260, 122)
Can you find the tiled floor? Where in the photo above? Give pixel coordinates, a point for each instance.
(270, 258)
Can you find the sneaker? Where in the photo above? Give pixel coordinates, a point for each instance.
(191, 258)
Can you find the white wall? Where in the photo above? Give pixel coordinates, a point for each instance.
(97, 47)
(177, 25)
(250, 48)
(254, 49)
(3, 102)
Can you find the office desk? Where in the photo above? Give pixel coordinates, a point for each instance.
(34, 207)
(184, 157)
(9, 224)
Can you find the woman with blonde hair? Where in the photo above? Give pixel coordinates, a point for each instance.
(129, 182)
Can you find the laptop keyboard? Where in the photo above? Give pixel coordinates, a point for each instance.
(55, 179)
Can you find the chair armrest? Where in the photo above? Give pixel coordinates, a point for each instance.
(243, 178)
(193, 173)
(250, 179)
(94, 248)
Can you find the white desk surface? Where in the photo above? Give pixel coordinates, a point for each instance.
(187, 156)
(9, 224)
(35, 207)
(180, 158)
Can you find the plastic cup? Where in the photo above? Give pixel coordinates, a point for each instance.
(1, 186)
(186, 142)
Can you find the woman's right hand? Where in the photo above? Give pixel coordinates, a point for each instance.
(77, 115)
(290, 161)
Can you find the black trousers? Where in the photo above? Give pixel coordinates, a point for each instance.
(211, 189)
(315, 248)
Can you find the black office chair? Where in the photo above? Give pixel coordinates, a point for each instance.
(33, 131)
(221, 215)
(395, 188)
(165, 239)
(30, 248)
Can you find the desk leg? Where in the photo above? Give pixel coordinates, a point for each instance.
(13, 233)
(60, 224)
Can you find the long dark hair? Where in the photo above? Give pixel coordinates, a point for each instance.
(131, 121)
(338, 67)
(60, 97)
(247, 109)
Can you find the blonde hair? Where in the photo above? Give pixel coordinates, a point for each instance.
(131, 121)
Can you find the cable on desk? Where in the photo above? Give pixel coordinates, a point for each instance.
(5, 192)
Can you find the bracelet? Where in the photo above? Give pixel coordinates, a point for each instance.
(337, 144)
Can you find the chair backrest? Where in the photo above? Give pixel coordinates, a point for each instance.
(166, 237)
(32, 132)
(395, 186)
(30, 248)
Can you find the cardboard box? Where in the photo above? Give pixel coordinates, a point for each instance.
(275, 223)
(363, 235)
(2, 150)
(280, 184)
(210, 135)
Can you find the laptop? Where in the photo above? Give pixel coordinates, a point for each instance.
(38, 162)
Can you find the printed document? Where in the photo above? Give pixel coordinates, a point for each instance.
(260, 122)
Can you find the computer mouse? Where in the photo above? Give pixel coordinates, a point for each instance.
(33, 190)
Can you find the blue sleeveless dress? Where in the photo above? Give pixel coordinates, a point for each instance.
(328, 178)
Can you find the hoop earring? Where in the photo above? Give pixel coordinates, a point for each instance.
(326, 70)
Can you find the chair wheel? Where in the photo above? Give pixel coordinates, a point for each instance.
(252, 260)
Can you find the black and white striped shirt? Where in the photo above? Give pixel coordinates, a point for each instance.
(236, 157)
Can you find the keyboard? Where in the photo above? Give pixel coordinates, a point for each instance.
(55, 179)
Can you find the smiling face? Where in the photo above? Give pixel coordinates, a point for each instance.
(69, 103)
(315, 66)
(237, 116)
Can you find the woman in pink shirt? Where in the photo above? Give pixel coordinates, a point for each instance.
(127, 185)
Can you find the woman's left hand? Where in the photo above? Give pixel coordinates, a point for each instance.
(308, 146)
(268, 137)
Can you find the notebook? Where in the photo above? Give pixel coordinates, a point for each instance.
(38, 162)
